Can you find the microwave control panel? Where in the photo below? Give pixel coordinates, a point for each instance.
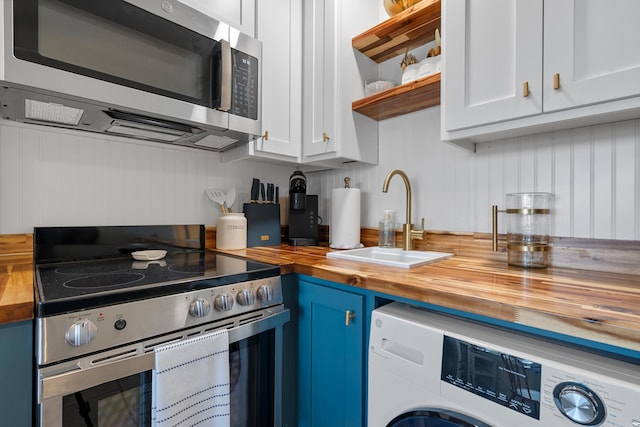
(244, 101)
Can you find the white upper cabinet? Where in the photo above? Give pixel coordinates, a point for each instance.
(519, 67)
(593, 47)
(310, 76)
(333, 79)
(489, 55)
(279, 28)
(240, 14)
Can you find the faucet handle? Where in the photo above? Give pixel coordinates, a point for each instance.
(418, 234)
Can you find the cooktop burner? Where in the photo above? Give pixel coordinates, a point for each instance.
(69, 286)
(104, 281)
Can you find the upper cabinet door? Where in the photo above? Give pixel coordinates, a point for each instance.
(320, 23)
(333, 77)
(592, 46)
(492, 53)
(240, 14)
(279, 27)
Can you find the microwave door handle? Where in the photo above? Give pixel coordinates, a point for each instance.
(225, 92)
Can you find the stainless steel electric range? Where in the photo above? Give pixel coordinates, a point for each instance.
(100, 313)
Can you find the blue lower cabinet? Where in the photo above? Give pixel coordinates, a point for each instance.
(16, 367)
(331, 340)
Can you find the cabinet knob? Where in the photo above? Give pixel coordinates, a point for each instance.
(556, 81)
(325, 137)
(525, 89)
(349, 316)
(266, 135)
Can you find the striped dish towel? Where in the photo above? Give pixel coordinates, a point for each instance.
(191, 382)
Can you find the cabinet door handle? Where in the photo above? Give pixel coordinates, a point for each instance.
(349, 316)
(325, 137)
(525, 89)
(556, 81)
(266, 135)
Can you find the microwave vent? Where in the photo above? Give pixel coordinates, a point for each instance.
(143, 127)
(51, 112)
(136, 130)
(217, 142)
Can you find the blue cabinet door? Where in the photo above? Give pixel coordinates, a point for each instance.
(331, 363)
(16, 367)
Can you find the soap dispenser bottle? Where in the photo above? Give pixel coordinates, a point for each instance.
(387, 231)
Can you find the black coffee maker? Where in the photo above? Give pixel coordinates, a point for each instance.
(303, 212)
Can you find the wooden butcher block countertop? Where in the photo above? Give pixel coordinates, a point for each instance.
(16, 278)
(597, 306)
(16, 293)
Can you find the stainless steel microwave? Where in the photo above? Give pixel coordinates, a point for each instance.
(148, 69)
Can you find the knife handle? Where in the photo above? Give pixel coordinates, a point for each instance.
(255, 190)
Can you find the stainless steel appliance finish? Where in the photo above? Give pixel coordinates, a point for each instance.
(98, 321)
(146, 69)
(98, 329)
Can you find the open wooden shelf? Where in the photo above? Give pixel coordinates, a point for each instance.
(411, 28)
(403, 99)
(408, 29)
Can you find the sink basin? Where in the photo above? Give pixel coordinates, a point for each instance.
(394, 257)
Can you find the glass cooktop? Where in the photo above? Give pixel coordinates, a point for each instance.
(69, 286)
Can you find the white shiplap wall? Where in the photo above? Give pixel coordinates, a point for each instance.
(593, 171)
(54, 177)
(51, 177)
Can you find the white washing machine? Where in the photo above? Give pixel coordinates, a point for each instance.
(432, 370)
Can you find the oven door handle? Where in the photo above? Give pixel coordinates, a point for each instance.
(84, 378)
(71, 382)
(249, 329)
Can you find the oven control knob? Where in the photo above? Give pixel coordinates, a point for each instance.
(81, 332)
(578, 403)
(120, 324)
(223, 302)
(265, 293)
(199, 308)
(246, 297)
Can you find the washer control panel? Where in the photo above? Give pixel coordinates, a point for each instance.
(540, 388)
(579, 403)
(537, 387)
(586, 398)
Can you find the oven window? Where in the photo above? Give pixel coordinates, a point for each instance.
(126, 402)
(251, 364)
(121, 403)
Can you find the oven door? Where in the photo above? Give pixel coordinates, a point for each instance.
(113, 388)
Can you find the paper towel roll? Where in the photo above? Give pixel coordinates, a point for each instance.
(344, 230)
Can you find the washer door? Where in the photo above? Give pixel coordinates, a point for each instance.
(435, 418)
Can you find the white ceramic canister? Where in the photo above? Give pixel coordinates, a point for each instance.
(231, 231)
(429, 66)
(410, 73)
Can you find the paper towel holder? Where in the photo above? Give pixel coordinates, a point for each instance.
(345, 208)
